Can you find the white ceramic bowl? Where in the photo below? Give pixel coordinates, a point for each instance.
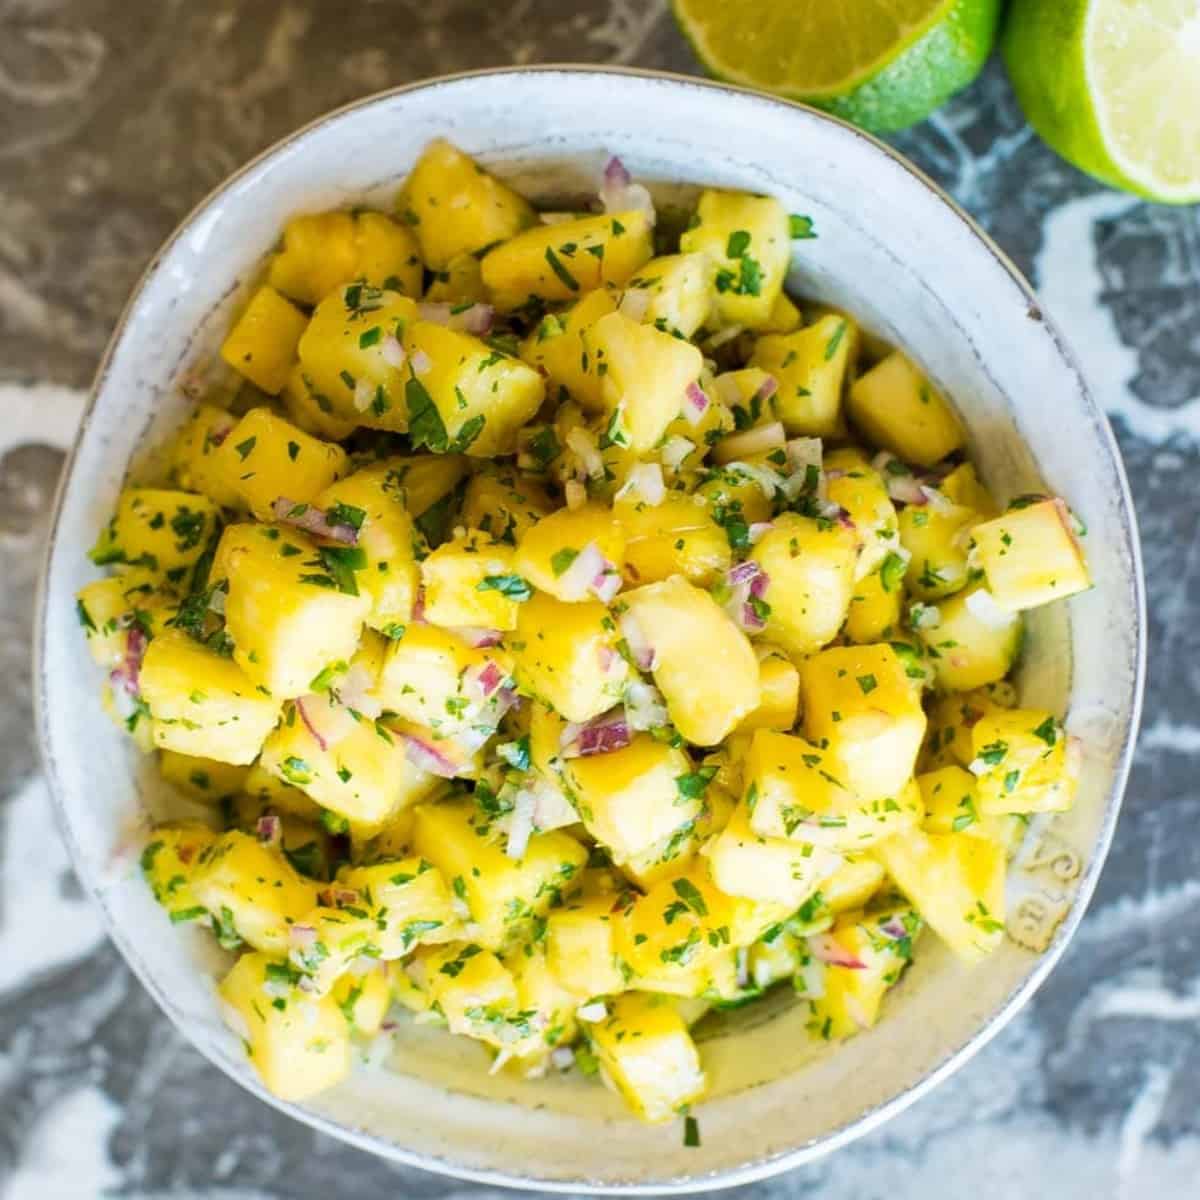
(891, 248)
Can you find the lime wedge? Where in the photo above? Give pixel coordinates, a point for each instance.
(1114, 87)
(883, 64)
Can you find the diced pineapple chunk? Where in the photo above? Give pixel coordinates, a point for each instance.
(352, 357)
(951, 719)
(809, 565)
(676, 537)
(252, 892)
(503, 504)
(956, 882)
(285, 608)
(896, 407)
(968, 649)
(634, 798)
(563, 261)
(702, 661)
(409, 900)
(475, 991)
(387, 255)
(645, 1049)
(951, 805)
(859, 702)
(545, 1010)
(463, 396)
(298, 1045)
(548, 550)
(460, 283)
(779, 696)
(581, 945)
(936, 540)
(853, 484)
(792, 792)
(1031, 556)
(109, 609)
(169, 862)
(673, 293)
(810, 369)
(347, 766)
(371, 501)
(785, 316)
(327, 941)
(678, 928)
(503, 895)
(455, 207)
(311, 412)
(1024, 761)
(201, 778)
(737, 501)
(194, 454)
(266, 458)
(867, 958)
(420, 481)
(470, 581)
(364, 1000)
(772, 870)
(748, 238)
(202, 703)
(645, 374)
(877, 602)
(566, 655)
(851, 885)
(262, 344)
(163, 531)
(562, 346)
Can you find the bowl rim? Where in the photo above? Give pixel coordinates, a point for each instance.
(752, 1170)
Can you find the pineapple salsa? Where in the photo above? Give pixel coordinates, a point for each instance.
(566, 632)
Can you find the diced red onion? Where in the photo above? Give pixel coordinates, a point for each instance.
(609, 731)
(902, 486)
(722, 336)
(743, 572)
(727, 390)
(983, 607)
(421, 362)
(484, 679)
(562, 1058)
(557, 218)
(758, 530)
(125, 679)
(364, 393)
(392, 351)
(592, 1012)
(475, 318)
(618, 193)
(427, 757)
(551, 808)
(418, 611)
(635, 303)
(354, 690)
(318, 737)
(635, 639)
(829, 950)
(760, 440)
(216, 601)
(766, 389)
(647, 480)
(520, 826)
(302, 937)
(575, 494)
(591, 572)
(924, 616)
(312, 520)
(766, 478)
(645, 707)
(937, 501)
(894, 928)
(583, 442)
(810, 980)
(477, 636)
(695, 403)
(269, 829)
(675, 450)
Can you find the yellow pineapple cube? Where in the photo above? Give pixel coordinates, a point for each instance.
(202, 778)
(809, 566)
(676, 537)
(562, 345)
(266, 458)
(859, 702)
(463, 396)
(644, 1047)
(951, 804)
(291, 608)
(876, 605)
(311, 412)
(701, 660)
(409, 900)
(298, 1045)
(474, 990)
(633, 798)
(194, 454)
(455, 207)
(897, 408)
(387, 254)
(163, 531)
(971, 641)
(852, 884)
(503, 504)
(262, 344)
(677, 291)
(1031, 555)
(470, 580)
(563, 261)
(109, 609)
(956, 883)
(810, 368)
(749, 240)
(461, 282)
(566, 655)
(548, 550)
(203, 703)
(779, 693)
(503, 895)
(318, 255)
(169, 861)
(364, 1000)
(1024, 763)
(252, 892)
(581, 946)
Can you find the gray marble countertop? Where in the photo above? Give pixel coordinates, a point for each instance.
(116, 116)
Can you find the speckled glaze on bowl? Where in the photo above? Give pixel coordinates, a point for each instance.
(892, 249)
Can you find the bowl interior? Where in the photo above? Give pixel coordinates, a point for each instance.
(893, 252)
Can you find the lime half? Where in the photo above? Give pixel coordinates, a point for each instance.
(1114, 87)
(883, 64)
